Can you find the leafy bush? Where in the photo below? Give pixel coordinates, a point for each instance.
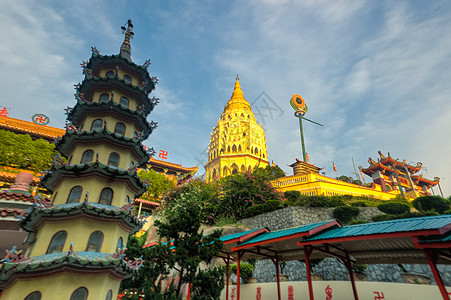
(258, 209)
(356, 222)
(431, 203)
(386, 217)
(246, 270)
(394, 208)
(346, 213)
(364, 203)
(447, 212)
(321, 201)
(293, 198)
(359, 268)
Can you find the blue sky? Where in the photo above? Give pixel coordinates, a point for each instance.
(376, 73)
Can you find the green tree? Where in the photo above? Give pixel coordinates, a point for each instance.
(20, 151)
(243, 190)
(158, 184)
(181, 249)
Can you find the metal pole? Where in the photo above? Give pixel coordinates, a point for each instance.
(238, 276)
(228, 275)
(440, 188)
(304, 156)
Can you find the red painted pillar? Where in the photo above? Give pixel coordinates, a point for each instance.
(188, 294)
(276, 262)
(432, 260)
(351, 276)
(238, 276)
(309, 274)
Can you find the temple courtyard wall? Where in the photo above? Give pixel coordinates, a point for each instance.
(336, 290)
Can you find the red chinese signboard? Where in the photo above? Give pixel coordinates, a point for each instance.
(3, 112)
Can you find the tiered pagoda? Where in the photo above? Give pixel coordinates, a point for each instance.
(237, 143)
(392, 174)
(77, 241)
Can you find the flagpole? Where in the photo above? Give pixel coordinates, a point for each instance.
(302, 138)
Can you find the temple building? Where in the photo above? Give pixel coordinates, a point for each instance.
(173, 171)
(391, 174)
(308, 181)
(238, 142)
(36, 131)
(77, 241)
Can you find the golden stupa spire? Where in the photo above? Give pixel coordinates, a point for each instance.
(126, 49)
(237, 92)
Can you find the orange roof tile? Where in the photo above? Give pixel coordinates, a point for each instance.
(34, 130)
(170, 166)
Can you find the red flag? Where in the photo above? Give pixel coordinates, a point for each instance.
(335, 168)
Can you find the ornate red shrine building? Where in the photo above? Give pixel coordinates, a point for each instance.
(392, 174)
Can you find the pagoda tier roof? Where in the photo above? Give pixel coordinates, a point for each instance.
(420, 180)
(17, 196)
(103, 135)
(35, 131)
(115, 83)
(96, 60)
(376, 167)
(390, 161)
(301, 167)
(113, 108)
(54, 176)
(176, 168)
(36, 214)
(71, 261)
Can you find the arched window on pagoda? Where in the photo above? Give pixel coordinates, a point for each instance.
(34, 296)
(120, 128)
(239, 148)
(124, 102)
(120, 243)
(57, 242)
(87, 156)
(106, 196)
(74, 194)
(113, 159)
(256, 151)
(80, 294)
(234, 148)
(127, 79)
(95, 241)
(97, 125)
(109, 295)
(109, 74)
(105, 97)
(214, 174)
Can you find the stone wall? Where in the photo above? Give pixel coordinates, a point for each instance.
(299, 215)
(332, 269)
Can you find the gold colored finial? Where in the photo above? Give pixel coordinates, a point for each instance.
(237, 78)
(126, 49)
(237, 92)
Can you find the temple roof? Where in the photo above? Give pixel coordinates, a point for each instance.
(420, 180)
(176, 168)
(36, 214)
(78, 112)
(69, 261)
(55, 175)
(102, 135)
(388, 163)
(35, 131)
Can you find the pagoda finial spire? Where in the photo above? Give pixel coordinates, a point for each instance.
(237, 92)
(126, 49)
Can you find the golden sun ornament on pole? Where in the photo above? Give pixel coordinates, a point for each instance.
(298, 104)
